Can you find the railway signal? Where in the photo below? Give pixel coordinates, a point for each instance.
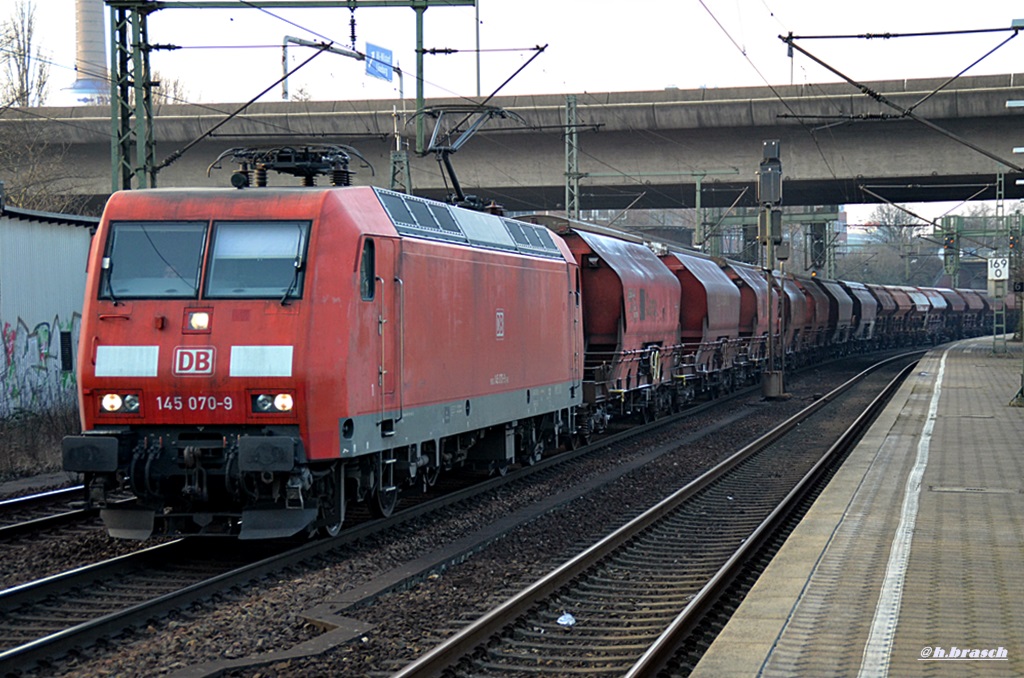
(769, 196)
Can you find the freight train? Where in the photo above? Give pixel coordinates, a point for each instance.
(252, 361)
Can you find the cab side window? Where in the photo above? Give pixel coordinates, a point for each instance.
(367, 272)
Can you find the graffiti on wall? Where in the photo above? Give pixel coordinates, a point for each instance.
(31, 374)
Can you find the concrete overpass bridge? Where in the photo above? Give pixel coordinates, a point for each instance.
(664, 149)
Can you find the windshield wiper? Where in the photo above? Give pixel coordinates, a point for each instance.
(297, 269)
(108, 266)
(294, 282)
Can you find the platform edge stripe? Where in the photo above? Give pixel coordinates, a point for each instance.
(878, 648)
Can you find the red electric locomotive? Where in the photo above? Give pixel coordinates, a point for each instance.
(251, 360)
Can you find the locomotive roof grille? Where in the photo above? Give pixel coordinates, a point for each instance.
(421, 218)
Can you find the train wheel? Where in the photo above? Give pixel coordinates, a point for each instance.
(382, 505)
(535, 455)
(585, 433)
(665, 403)
(576, 440)
(332, 528)
(430, 477)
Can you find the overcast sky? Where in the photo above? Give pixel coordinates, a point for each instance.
(592, 45)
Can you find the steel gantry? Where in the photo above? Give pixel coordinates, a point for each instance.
(971, 236)
(133, 150)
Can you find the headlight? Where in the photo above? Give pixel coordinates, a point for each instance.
(273, 403)
(123, 403)
(112, 402)
(198, 321)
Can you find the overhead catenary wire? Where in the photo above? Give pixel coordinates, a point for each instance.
(773, 89)
(888, 36)
(537, 49)
(71, 124)
(905, 112)
(177, 154)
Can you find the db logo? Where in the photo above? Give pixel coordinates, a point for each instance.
(499, 323)
(193, 360)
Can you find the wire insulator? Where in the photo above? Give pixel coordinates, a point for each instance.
(261, 176)
(341, 177)
(352, 27)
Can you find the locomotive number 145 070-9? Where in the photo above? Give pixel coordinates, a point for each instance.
(194, 403)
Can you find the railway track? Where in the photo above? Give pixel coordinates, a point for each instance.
(56, 613)
(31, 514)
(41, 511)
(46, 618)
(624, 606)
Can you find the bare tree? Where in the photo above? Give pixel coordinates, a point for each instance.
(895, 226)
(32, 166)
(33, 170)
(899, 252)
(169, 91)
(25, 73)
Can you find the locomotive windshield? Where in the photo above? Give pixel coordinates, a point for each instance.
(257, 259)
(153, 259)
(251, 260)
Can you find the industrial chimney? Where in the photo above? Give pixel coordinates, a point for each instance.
(93, 85)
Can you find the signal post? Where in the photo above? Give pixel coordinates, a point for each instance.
(769, 197)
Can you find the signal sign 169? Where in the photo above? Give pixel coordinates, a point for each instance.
(998, 268)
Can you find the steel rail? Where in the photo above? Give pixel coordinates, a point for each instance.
(17, 503)
(477, 633)
(34, 502)
(661, 651)
(52, 520)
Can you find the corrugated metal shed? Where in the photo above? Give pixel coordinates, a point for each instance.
(42, 283)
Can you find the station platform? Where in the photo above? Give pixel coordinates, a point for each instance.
(911, 562)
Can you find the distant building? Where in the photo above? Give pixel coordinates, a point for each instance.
(92, 86)
(859, 235)
(42, 286)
